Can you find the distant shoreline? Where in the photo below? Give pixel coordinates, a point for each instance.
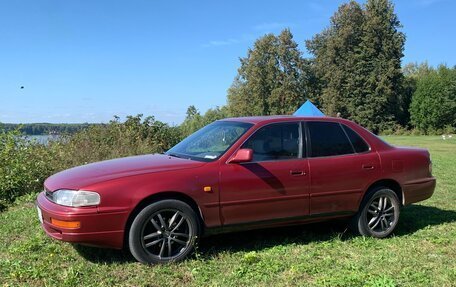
(45, 129)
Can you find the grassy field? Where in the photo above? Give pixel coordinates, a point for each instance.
(421, 253)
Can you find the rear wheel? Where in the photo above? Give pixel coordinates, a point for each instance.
(378, 215)
(164, 231)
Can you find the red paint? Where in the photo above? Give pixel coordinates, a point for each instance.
(242, 155)
(254, 194)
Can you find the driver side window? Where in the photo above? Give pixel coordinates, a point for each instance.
(275, 142)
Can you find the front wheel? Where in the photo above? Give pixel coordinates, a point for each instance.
(378, 214)
(162, 232)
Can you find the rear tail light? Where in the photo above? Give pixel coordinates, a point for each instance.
(430, 162)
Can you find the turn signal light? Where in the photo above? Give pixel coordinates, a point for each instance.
(65, 224)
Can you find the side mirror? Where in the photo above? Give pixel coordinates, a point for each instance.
(242, 155)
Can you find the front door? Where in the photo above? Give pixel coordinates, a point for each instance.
(274, 186)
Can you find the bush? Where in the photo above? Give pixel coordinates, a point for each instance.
(116, 139)
(397, 130)
(449, 129)
(195, 121)
(433, 104)
(24, 165)
(415, 132)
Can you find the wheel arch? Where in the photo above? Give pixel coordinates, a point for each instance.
(157, 197)
(390, 183)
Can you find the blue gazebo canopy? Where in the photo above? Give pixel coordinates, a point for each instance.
(308, 110)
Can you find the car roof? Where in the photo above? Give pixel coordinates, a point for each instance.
(280, 118)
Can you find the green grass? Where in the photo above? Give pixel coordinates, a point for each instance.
(421, 253)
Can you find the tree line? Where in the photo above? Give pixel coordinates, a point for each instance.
(354, 70)
(44, 128)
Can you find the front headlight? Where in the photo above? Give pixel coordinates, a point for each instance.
(74, 198)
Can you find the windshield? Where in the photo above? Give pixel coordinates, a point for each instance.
(210, 142)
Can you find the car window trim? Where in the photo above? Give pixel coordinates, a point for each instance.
(348, 138)
(368, 145)
(307, 138)
(300, 141)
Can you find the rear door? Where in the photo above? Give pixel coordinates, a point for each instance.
(341, 166)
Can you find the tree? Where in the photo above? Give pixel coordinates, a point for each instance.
(194, 120)
(434, 101)
(358, 61)
(334, 52)
(379, 67)
(412, 72)
(272, 79)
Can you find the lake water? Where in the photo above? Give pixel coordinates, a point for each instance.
(43, 139)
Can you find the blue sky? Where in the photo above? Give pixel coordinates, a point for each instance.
(85, 61)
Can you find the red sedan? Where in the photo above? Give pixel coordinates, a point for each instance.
(239, 173)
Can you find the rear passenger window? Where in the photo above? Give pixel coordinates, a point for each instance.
(328, 139)
(275, 142)
(358, 143)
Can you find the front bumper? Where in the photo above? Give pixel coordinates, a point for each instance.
(418, 190)
(96, 229)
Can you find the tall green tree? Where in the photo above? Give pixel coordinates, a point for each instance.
(379, 67)
(334, 63)
(358, 62)
(272, 79)
(412, 73)
(194, 120)
(433, 104)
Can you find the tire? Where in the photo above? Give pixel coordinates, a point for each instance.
(164, 231)
(378, 214)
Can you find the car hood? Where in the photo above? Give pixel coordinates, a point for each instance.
(81, 176)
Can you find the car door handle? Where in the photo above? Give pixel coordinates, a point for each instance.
(297, 172)
(368, 166)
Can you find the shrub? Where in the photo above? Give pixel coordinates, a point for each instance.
(401, 131)
(396, 130)
(194, 120)
(415, 132)
(449, 129)
(433, 104)
(24, 164)
(116, 139)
